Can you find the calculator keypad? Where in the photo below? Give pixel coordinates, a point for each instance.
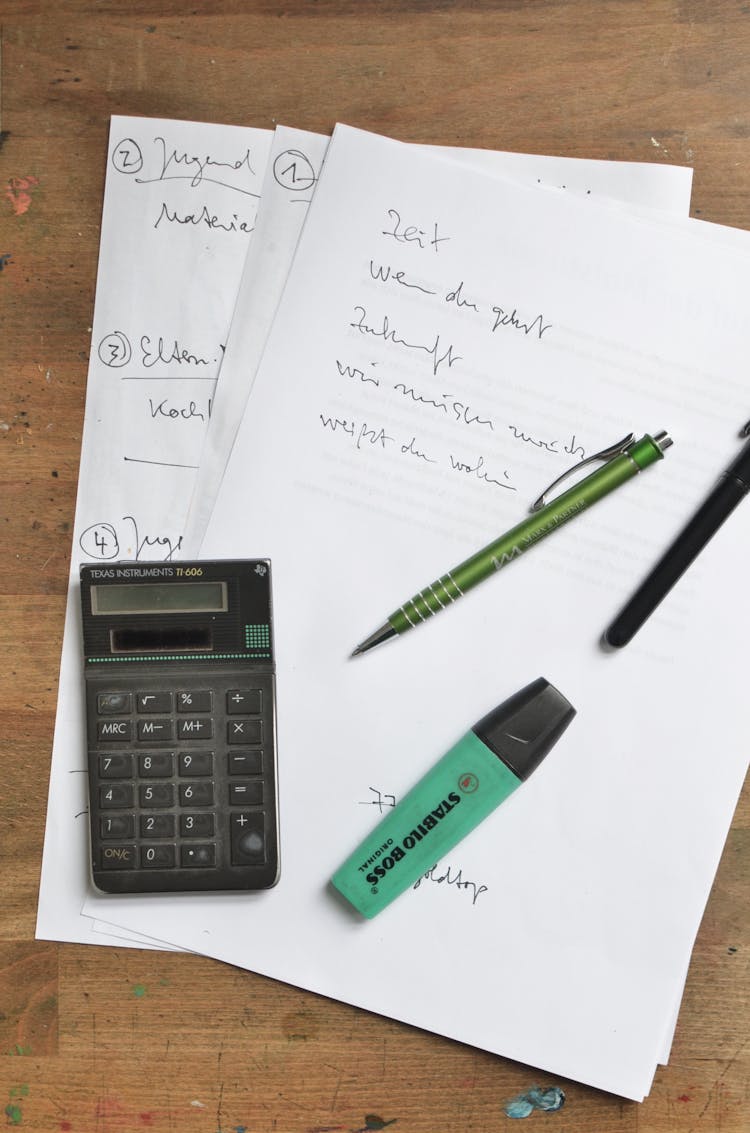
(182, 782)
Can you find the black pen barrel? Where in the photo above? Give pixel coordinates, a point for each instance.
(717, 507)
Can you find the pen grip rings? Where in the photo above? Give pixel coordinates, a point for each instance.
(437, 596)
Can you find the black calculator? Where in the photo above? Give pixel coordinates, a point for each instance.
(181, 726)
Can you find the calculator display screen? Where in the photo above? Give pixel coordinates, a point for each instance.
(155, 639)
(160, 598)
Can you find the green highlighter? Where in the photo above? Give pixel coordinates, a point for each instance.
(474, 777)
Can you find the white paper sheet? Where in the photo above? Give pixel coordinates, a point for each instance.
(180, 198)
(293, 169)
(179, 207)
(561, 929)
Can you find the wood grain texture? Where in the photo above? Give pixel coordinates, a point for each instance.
(114, 1040)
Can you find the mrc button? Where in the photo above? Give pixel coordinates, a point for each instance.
(114, 731)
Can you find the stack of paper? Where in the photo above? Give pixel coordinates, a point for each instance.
(422, 340)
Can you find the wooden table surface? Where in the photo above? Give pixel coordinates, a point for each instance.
(109, 1039)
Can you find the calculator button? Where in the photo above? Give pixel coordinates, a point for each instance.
(191, 729)
(197, 794)
(114, 731)
(196, 856)
(244, 731)
(118, 826)
(118, 857)
(156, 765)
(196, 825)
(156, 795)
(154, 701)
(154, 730)
(116, 766)
(248, 838)
(112, 703)
(157, 826)
(244, 701)
(246, 794)
(196, 763)
(194, 701)
(246, 762)
(157, 857)
(116, 796)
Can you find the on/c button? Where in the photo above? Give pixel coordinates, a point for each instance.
(118, 857)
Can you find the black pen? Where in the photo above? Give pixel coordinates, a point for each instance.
(732, 486)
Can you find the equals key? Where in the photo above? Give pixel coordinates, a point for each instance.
(246, 794)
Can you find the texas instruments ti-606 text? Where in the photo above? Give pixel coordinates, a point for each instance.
(180, 709)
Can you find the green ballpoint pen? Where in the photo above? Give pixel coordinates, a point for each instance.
(623, 460)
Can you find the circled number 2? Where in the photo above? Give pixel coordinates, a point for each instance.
(127, 156)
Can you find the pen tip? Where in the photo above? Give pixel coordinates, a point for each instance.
(383, 634)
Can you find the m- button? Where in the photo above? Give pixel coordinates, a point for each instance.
(153, 730)
(244, 731)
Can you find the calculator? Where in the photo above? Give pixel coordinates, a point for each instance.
(179, 678)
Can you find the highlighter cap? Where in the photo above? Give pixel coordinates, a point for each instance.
(522, 729)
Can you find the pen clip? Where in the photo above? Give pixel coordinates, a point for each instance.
(606, 454)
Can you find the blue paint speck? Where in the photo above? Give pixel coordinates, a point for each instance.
(548, 1100)
(519, 1107)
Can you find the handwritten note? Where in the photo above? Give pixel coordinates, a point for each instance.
(292, 173)
(180, 205)
(447, 343)
(179, 209)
